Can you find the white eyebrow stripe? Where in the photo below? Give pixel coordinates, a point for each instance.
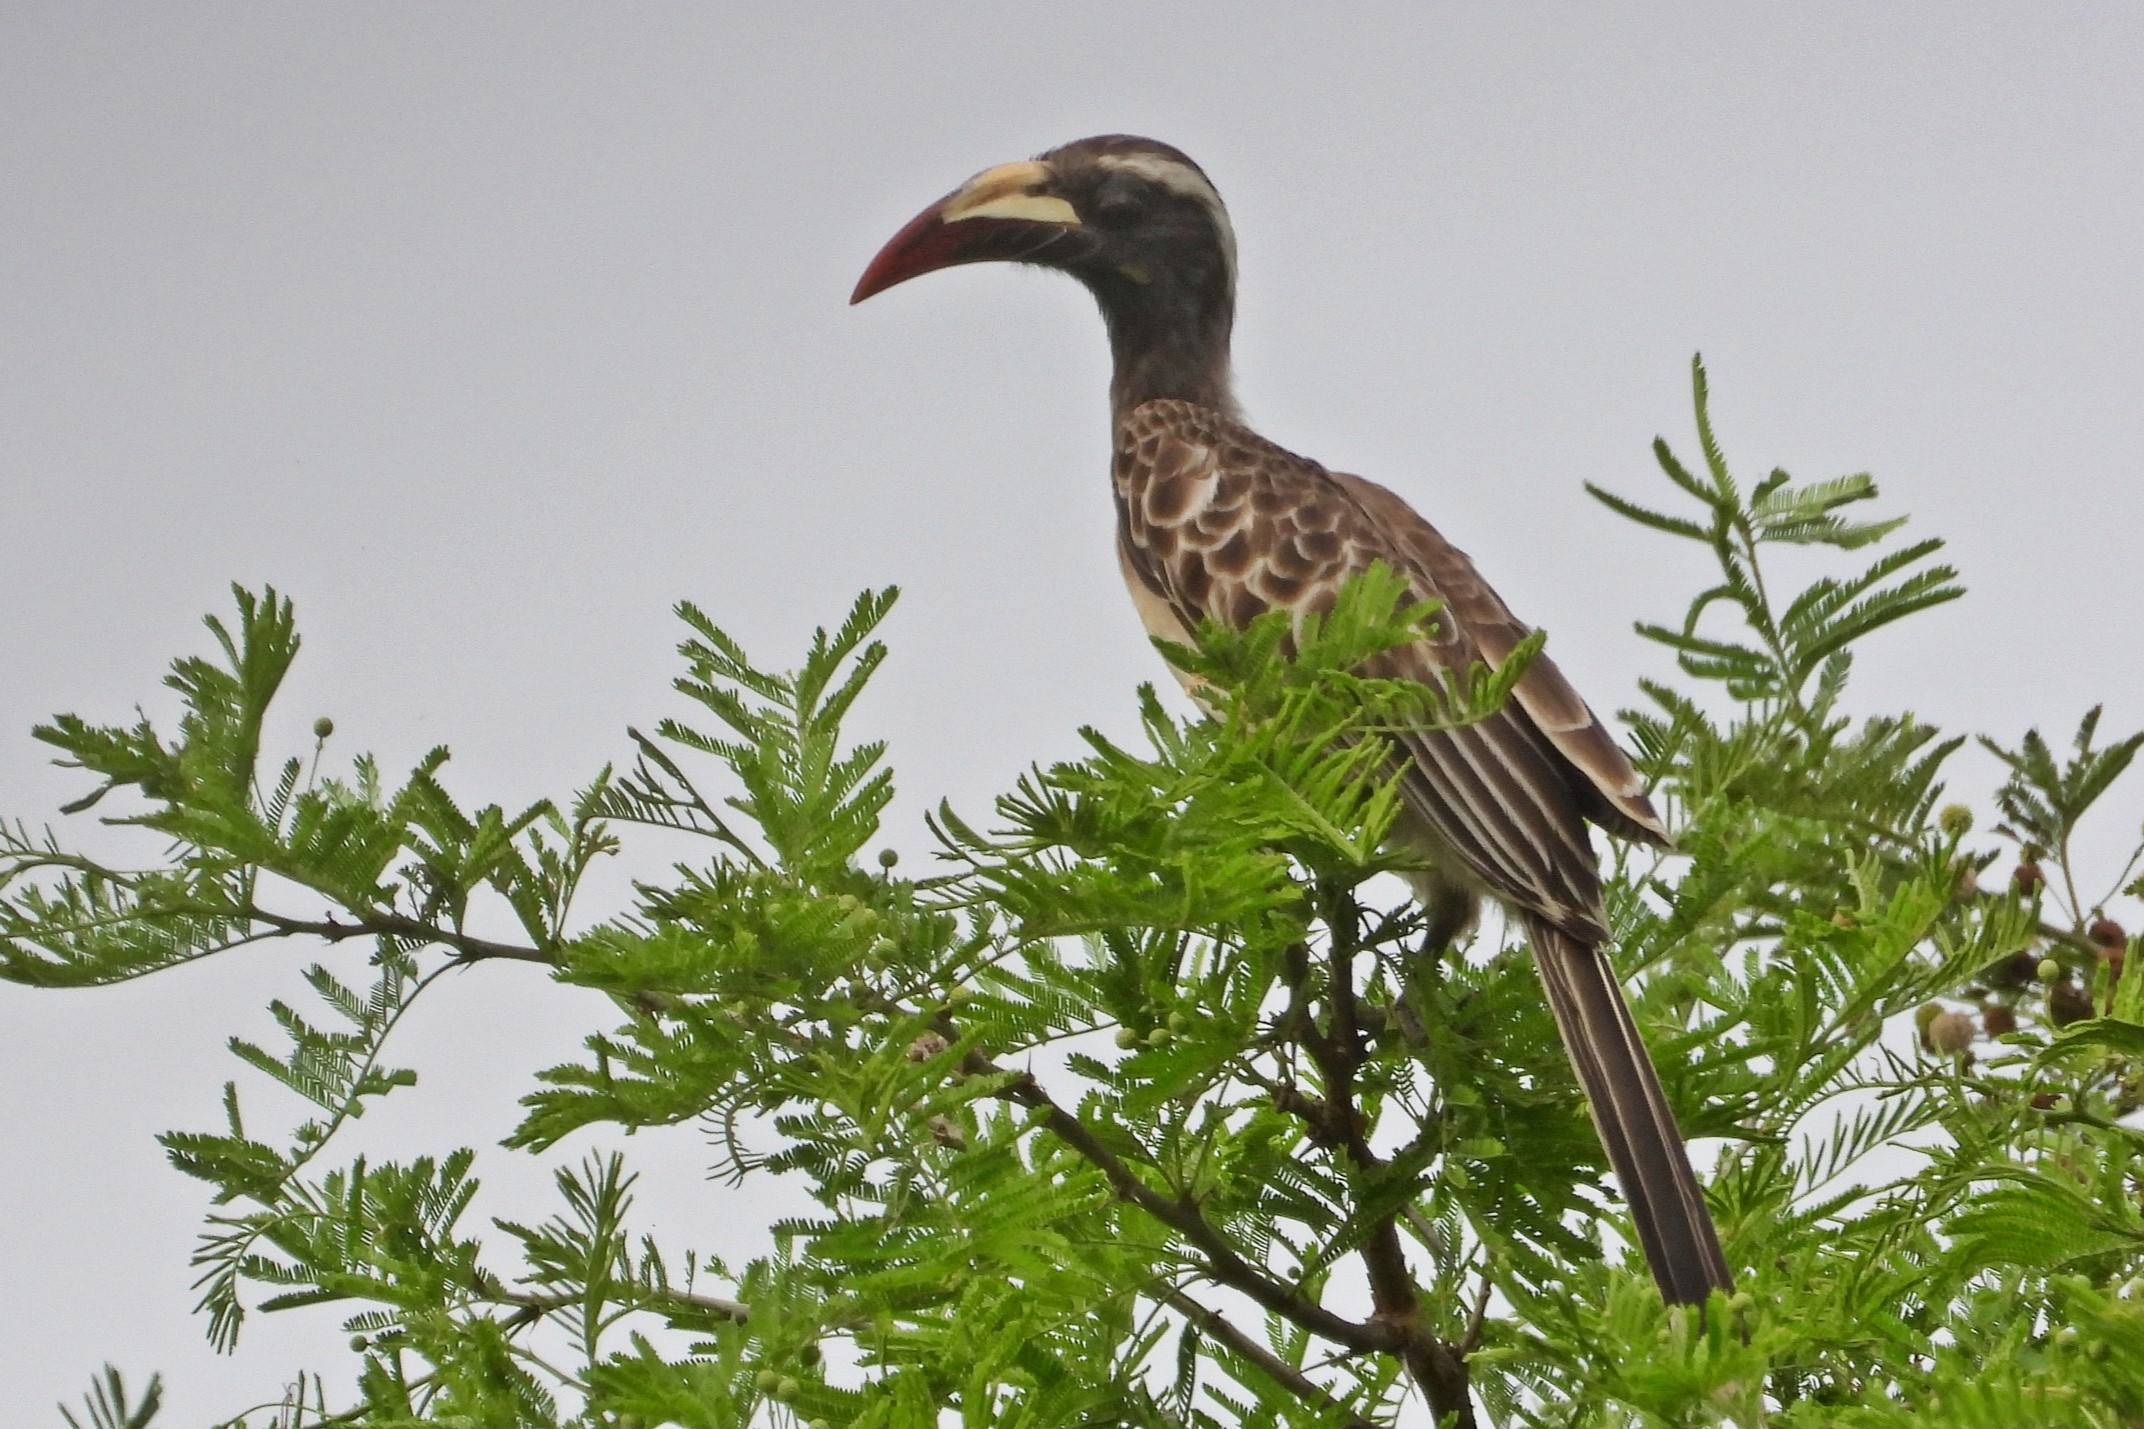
(1181, 178)
(1177, 177)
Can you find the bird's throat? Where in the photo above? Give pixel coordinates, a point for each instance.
(1167, 342)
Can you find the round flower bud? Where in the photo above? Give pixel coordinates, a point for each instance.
(1951, 1033)
(1955, 820)
(788, 1389)
(2048, 971)
(360, 1343)
(1742, 1302)
(323, 727)
(1178, 1022)
(887, 857)
(1997, 1020)
(1158, 1037)
(1128, 1037)
(809, 1354)
(766, 1381)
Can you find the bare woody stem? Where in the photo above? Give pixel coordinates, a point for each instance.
(1218, 1260)
(1438, 1369)
(1217, 1326)
(534, 1306)
(395, 925)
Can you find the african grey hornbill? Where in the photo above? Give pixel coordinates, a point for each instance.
(1216, 523)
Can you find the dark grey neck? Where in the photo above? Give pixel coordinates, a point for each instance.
(1167, 343)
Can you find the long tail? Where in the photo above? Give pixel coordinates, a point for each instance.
(1631, 1112)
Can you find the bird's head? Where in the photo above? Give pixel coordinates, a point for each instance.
(1134, 220)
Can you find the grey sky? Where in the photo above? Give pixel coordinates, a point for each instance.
(488, 331)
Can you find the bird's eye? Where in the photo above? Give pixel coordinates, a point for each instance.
(1115, 207)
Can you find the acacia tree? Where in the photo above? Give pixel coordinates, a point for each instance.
(1150, 1105)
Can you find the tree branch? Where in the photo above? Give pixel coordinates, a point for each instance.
(1478, 1319)
(1437, 1368)
(533, 1306)
(1286, 1375)
(467, 949)
(1222, 1264)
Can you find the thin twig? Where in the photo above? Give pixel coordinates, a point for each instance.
(1287, 1376)
(533, 1306)
(1221, 1263)
(1439, 1370)
(1432, 1240)
(467, 949)
(1479, 1318)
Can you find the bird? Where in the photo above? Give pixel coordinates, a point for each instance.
(1216, 523)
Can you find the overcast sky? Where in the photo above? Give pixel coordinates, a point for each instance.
(489, 331)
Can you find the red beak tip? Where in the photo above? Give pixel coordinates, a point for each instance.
(923, 244)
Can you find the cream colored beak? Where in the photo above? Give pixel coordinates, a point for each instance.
(1009, 191)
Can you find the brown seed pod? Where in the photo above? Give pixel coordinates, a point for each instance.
(2067, 1003)
(1950, 1033)
(1998, 1020)
(2046, 1101)
(2016, 970)
(927, 1046)
(2106, 934)
(2027, 879)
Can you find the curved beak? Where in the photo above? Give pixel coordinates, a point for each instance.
(1005, 214)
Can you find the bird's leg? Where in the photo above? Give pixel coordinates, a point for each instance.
(1449, 910)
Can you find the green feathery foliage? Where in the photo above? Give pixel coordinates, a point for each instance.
(1150, 1105)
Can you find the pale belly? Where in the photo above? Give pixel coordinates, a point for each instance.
(1161, 622)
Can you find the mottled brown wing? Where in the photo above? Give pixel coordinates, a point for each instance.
(1217, 523)
(1550, 702)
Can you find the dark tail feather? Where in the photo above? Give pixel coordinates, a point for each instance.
(1631, 1112)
